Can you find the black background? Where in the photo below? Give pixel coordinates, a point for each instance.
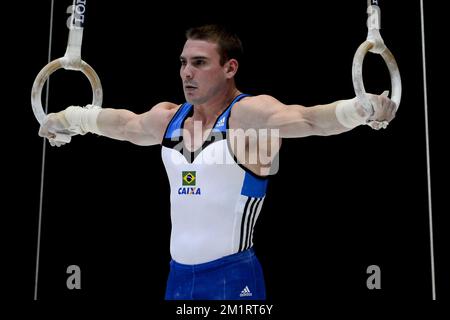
(337, 205)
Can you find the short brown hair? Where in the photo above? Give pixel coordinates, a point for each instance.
(230, 46)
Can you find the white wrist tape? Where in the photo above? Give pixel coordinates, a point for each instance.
(347, 114)
(83, 120)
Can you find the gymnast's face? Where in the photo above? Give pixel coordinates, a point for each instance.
(202, 75)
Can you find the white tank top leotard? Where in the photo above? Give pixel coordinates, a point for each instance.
(215, 201)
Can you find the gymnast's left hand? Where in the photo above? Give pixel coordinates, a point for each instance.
(52, 124)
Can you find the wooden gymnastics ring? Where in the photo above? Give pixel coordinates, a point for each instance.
(70, 61)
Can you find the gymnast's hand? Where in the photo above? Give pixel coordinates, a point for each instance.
(51, 128)
(384, 110)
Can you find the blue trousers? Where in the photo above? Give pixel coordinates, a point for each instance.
(235, 277)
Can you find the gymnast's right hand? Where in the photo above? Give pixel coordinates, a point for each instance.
(52, 126)
(58, 127)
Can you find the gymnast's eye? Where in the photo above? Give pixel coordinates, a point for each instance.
(199, 62)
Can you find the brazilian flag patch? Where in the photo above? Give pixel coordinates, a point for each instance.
(188, 178)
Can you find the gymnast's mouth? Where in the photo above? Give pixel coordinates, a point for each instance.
(190, 87)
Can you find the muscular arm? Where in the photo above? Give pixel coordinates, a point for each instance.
(294, 121)
(143, 129)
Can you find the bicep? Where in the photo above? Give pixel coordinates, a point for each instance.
(266, 112)
(148, 128)
(292, 121)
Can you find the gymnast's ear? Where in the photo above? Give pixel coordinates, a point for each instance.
(231, 67)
